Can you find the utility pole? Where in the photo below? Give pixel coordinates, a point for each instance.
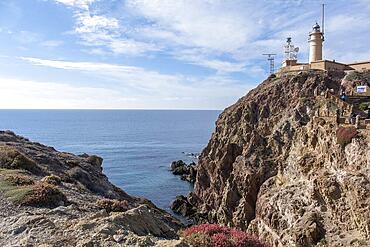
(271, 59)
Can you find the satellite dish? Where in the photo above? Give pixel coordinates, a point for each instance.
(296, 49)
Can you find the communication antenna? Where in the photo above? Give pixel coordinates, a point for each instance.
(322, 20)
(271, 59)
(290, 51)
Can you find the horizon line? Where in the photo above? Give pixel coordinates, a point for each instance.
(110, 109)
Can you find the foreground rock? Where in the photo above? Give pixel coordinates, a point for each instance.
(51, 198)
(187, 172)
(278, 166)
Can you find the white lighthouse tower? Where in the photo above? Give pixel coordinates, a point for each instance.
(316, 38)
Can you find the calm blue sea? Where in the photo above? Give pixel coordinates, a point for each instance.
(137, 145)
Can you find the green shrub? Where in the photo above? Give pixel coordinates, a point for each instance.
(364, 105)
(44, 195)
(17, 195)
(22, 190)
(359, 75)
(11, 189)
(14, 185)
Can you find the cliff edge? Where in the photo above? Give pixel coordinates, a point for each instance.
(52, 198)
(283, 163)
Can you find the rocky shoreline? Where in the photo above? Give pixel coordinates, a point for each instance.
(52, 198)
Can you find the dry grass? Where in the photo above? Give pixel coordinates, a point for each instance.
(112, 205)
(11, 185)
(11, 158)
(9, 172)
(17, 195)
(52, 179)
(45, 195)
(23, 190)
(19, 180)
(198, 239)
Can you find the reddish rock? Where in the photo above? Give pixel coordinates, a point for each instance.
(274, 167)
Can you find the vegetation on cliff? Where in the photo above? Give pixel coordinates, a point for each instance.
(213, 235)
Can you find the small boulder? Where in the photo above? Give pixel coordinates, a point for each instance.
(177, 164)
(112, 205)
(182, 206)
(181, 170)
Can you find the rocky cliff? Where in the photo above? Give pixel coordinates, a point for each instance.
(51, 198)
(275, 166)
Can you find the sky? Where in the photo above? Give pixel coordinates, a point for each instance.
(159, 54)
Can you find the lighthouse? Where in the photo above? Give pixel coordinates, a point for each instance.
(316, 38)
(316, 59)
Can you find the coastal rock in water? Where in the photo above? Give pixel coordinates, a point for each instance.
(51, 198)
(191, 173)
(177, 164)
(274, 166)
(187, 172)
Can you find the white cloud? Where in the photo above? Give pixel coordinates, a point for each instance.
(130, 47)
(197, 33)
(154, 89)
(98, 30)
(76, 65)
(83, 4)
(94, 23)
(193, 56)
(225, 36)
(208, 24)
(26, 94)
(52, 43)
(144, 81)
(345, 23)
(175, 27)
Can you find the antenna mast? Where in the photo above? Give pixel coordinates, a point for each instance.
(271, 59)
(322, 20)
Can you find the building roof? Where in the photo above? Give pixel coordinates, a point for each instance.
(328, 61)
(361, 62)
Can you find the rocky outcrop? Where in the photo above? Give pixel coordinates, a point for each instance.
(182, 206)
(273, 166)
(187, 172)
(51, 198)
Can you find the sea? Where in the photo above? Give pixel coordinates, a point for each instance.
(137, 146)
